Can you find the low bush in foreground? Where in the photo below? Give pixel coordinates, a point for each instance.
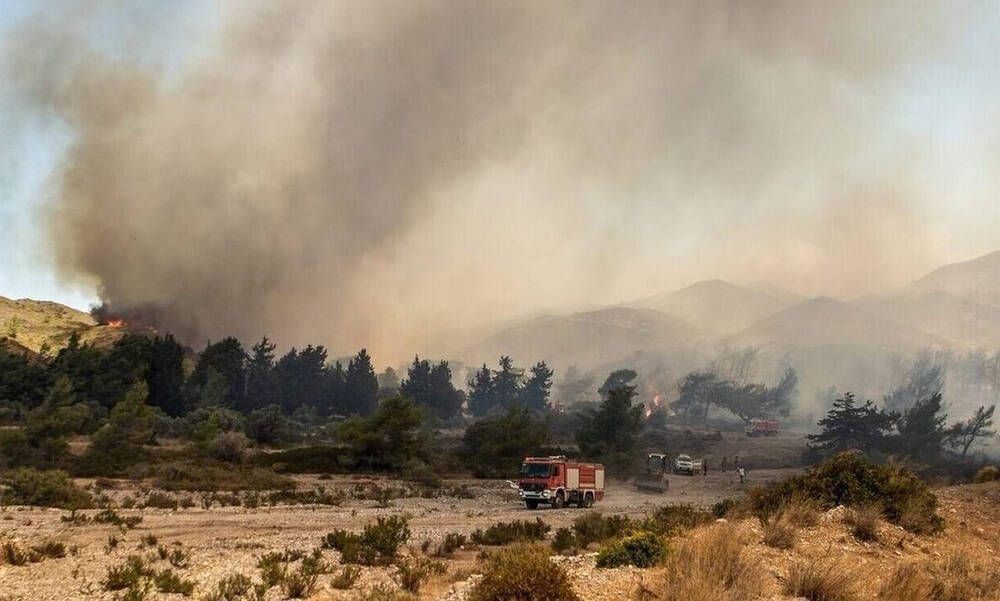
(853, 480)
(522, 573)
(52, 488)
(503, 533)
(864, 523)
(166, 581)
(712, 566)
(779, 533)
(988, 474)
(643, 550)
(412, 573)
(377, 544)
(231, 588)
(952, 578)
(671, 520)
(593, 527)
(819, 581)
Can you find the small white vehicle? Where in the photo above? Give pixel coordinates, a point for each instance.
(685, 465)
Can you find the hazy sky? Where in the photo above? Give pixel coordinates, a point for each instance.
(385, 168)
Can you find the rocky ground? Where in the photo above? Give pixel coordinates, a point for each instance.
(226, 540)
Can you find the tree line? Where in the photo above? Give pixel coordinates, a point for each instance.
(919, 432)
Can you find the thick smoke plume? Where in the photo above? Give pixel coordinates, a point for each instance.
(362, 173)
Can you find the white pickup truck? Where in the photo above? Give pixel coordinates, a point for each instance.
(685, 465)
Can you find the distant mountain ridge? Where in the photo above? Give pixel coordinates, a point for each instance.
(717, 306)
(825, 321)
(977, 279)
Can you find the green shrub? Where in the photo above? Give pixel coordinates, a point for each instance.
(307, 460)
(272, 568)
(230, 447)
(724, 507)
(231, 588)
(503, 533)
(127, 575)
(592, 527)
(377, 544)
(643, 550)
(179, 558)
(522, 573)
(852, 479)
(563, 540)
(166, 581)
(452, 541)
(181, 476)
(420, 473)
(110, 516)
(671, 520)
(988, 474)
(411, 574)
(346, 577)
(160, 500)
(52, 488)
(300, 583)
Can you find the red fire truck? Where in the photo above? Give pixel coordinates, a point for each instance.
(558, 481)
(762, 427)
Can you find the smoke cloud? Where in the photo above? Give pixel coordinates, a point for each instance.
(364, 173)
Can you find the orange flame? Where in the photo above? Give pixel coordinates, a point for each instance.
(116, 323)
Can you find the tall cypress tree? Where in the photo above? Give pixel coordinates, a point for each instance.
(361, 384)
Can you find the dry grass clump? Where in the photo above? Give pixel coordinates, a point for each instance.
(864, 522)
(346, 577)
(413, 572)
(713, 566)
(908, 582)
(523, 572)
(801, 512)
(779, 533)
(953, 578)
(820, 581)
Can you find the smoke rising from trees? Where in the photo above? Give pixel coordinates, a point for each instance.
(364, 173)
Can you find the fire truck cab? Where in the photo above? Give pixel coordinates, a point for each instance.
(558, 482)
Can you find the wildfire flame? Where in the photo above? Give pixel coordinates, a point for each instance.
(116, 323)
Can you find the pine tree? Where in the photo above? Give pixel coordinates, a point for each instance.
(921, 429)
(506, 383)
(430, 386)
(611, 433)
(261, 383)
(481, 397)
(361, 385)
(535, 391)
(848, 426)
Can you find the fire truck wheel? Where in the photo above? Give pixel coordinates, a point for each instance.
(559, 501)
(588, 501)
(531, 504)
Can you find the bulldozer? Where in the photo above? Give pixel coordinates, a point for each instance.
(654, 478)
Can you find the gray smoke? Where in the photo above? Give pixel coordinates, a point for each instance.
(361, 173)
